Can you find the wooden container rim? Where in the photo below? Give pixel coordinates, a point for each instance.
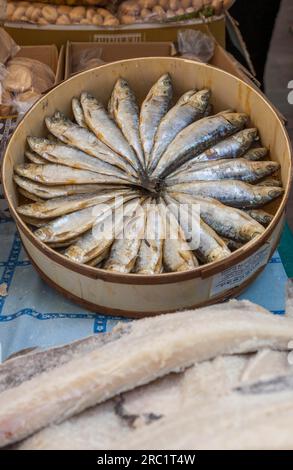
(164, 278)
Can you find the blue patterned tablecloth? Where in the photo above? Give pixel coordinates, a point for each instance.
(34, 315)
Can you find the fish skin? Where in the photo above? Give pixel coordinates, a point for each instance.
(150, 255)
(34, 158)
(60, 206)
(226, 221)
(261, 216)
(232, 244)
(28, 195)
(124, 251)
(78, 112)
(189, 108)
(255, 154)
(196, 138)
(238, 169)
(153, 109)
(177, 254)
(90, 246)
(49, 192)
(98, 261)
(209, 246)
(270, 182)
(70, 226)
(70, 156)
(76, 136)
(106, 130)
(231, 192)
(125, 111)
(231, 328)
(231, 147)
(52, 174)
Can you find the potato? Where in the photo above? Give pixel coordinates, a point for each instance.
(173, 5)
(147, 3)
(77, 13)
(97, 20)
(63, 19)
(218, 6)
(18, 13)
(50, 14)
(29, 12)
(180, 11)
(43, 21)
(197, 4)
(170, 13)
(145, 13)
(159, 12)
(10, 10)
(185, 3)
(90, 13)
(111, 21)
(130, 7)
(104, 13)
(190, 10)
(64, 9)
(36, 14)
(164, 4)
(127, 19)
(227, 3)
(84, 21)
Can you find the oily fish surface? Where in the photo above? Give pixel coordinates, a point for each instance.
(200, 180)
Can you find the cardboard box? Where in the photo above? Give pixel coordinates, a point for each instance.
(24, 33)
(114, 52)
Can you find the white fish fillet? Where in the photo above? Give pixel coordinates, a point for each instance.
(152, 348)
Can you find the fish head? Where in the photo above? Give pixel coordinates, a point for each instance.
(122, 88)
(201, 99)
(238, 120)
(163, 87)
(247, 136)
(186, 97)
(265, 168)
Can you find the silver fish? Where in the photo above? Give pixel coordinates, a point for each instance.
(78, 112)
(205, 241)
(61, 205)
(126, 114)
(49, 192)
(83, 139)
(72, 225)
(28, 195)
(261, 216)
(196, 138)
(150, 255)
(231, 192)
(106, 225)
(52, 174)
(103, 126)
(189, 108)
(70, 156)
(232, 147)
(98, 261)
(239, 169)
(232, 244)
(153, 109)
(270, 182)
(226, 221)
(177, 254)
(256, 153)
(34, 158)
(125, 248)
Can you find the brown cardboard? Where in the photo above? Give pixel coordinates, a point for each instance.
(114, 52)
(46, 54)
(24, 33)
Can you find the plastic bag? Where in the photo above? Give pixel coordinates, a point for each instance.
(8, 48)
(86, 59)
(195, 45)
(148, 11)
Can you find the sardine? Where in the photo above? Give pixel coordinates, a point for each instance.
(50, 192)
(152, 348)
(103, 126)
(62, 205)
(126, 114)
(153, 109)
(177, 254)
(98, 261)
(104, 230)
(85, 140)
(256, 153)
(189, 108)
(239, 169)
(78, 112)
(226, 221)
(232, 244)
(150, 255)
(70, 226)
(231, 192)
(28, 195)
(232, 147)
(198, 137)
(51, 174)
(34, 158)
(270, 182)
(261, 216)
(205, 241)
(70, 156)
(125, 248)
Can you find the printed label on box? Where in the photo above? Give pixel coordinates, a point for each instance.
(118, 38)
(234, 276)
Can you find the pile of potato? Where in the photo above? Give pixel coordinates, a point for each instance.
(129, 11)
(44, 14)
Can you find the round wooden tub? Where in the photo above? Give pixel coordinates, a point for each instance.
(135, 295)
